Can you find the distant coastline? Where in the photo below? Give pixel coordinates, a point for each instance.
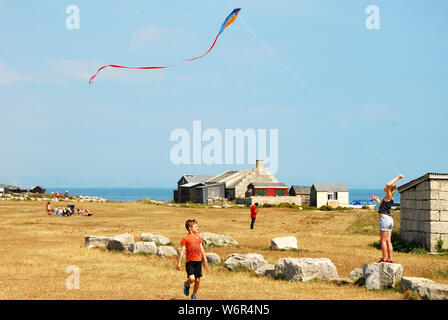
(166, 194)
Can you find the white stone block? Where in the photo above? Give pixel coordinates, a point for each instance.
(439, 227)
(434, 215)
(435, 185)
(443, 215)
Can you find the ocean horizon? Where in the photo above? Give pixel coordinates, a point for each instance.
(166, 194)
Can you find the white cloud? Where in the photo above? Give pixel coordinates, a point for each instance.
(9, 77)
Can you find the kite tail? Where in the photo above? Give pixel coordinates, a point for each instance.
(156, 67)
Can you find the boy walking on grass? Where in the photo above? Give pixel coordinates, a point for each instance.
(192, 246)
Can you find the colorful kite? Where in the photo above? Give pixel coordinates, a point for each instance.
(229, 20)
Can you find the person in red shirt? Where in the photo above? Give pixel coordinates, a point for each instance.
(253, 214)
(192, 246)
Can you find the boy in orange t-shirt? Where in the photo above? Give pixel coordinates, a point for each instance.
(192, 245)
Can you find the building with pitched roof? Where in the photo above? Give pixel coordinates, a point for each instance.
(424, 210)
(303, 191)
(329, 194)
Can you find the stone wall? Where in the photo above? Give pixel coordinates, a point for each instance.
(273, 200)
(424, 213)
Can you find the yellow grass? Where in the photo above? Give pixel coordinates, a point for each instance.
(36, 250)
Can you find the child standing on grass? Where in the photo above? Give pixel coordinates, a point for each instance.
(192, 245)
(386, 221)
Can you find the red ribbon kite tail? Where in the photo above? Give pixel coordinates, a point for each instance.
(229, 20)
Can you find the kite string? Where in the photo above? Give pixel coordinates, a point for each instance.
(312, 93)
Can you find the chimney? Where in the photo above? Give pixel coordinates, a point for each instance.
(260, 165)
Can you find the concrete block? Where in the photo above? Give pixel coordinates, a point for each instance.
(434, 194)
(443, 195)
(435, 215)
(443, 215)
(443, 205)
(439, 227)
(435, 204)
(443, 185)
(434, 185)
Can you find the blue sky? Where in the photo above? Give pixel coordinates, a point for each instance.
(388, 85)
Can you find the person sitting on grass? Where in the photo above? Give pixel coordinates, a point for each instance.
(386, 221)
(192, 245)
(49, 210)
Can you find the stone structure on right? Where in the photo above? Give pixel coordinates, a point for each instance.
(424, 210)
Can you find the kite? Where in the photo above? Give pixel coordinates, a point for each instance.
(229, 20)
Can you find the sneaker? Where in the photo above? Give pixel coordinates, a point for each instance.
(186, 289)
(193, 297)
(389, 261)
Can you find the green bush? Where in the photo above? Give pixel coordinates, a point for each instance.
(268, 205)
(402, 246)
(326, 208)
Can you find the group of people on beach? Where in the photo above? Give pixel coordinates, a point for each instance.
(195, 255)
(66, 212)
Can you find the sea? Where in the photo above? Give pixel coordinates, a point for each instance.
(166, 194)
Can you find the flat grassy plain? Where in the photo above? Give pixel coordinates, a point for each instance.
(36, 250)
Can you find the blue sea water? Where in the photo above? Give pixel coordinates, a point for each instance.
(120, 194)
(166, 194)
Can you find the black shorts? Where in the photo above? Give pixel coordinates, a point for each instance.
(195, 268)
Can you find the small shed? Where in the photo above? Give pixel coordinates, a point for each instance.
(329, 194)
(269, 189)
(38, 189)
(424, 210)
(187, 191)
(209, 192)
(303, 191)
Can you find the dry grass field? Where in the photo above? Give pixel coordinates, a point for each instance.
(36, 250)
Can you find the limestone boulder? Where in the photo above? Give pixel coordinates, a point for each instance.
(166, 251)
(157, 238)
(96, 241)
(217, 239)
(266, 270)
(251, 261)
(143, 247)
(425, 288)
(284, 243)
(356, 274)
(371, 274)
(382, 274)
(213, 257)
(120, 242)
(306, 269)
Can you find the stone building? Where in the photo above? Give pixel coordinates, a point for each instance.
(424, 210)
(235, 183)
(303, 191)
(327, 194)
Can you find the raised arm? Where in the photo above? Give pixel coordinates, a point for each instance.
(394, 180)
